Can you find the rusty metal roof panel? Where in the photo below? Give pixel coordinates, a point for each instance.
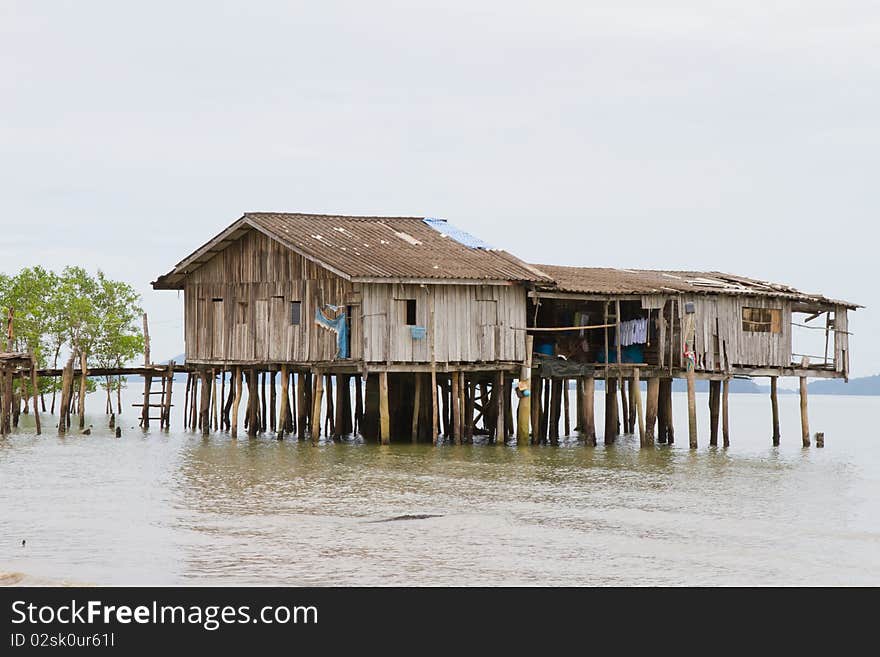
(364, 248)
(608, 281)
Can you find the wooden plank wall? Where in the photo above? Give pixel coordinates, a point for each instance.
(722, 342)
(841, 340)
(266, 276)
(473, 323)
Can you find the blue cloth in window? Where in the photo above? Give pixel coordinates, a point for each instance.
(339, 325)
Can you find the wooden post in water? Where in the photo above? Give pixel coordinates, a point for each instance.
(384, 416)
(359, 404)
(186, 400)
(236, 401)
(714, 409)
(302, 405)
(566, 408)
(692, 408)
(262, 395)
(610, 410)
(555, 409)
(66, 387)
(725, 419)
(281, 427)
(254, 419)
(148, 379)
(341, 407)
(524, 410)
(417, 400)
(205, 404)
(633, 406)
(500, 389)
(588, 427)
(469, 392)
(194, 409)
(331, 411)
(624, 406)
(805, 421)
(651, 407)
(273, 400)
(456, 409)
(537, 387)
(215, 401)
(662, 421)
(168, 395)
(290, 422)
(317, 397)
(35, 392)
(774, 406)
(636, 399)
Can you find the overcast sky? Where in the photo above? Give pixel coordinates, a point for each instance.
(735, 136)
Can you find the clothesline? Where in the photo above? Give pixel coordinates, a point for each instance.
(564, 328)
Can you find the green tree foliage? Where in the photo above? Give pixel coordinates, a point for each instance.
(92, 318)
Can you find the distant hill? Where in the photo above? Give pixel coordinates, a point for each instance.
(866, 385)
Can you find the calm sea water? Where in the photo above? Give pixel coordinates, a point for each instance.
(176, 508)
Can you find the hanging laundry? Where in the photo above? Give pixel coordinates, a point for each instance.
(634, 331)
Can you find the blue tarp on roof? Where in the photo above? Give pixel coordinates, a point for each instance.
(460, 236)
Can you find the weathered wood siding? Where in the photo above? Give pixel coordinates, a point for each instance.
(841, 340)
(472, 323)
(265, 276)
(720, 340)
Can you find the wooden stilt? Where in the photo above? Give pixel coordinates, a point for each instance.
(236, 401)
(469, 392)
(624, 407)
(714, 409)
(317, 398)
(273, 400)
(566, 410)
(35, 393)
(282, 425)
(339, 428)
(509, 424)
(262, 395)
(186, 400)
(435, 406)
(205, 404)
(805, 421)
(66, 387)
(358, 403)
(417, 400)
(461, 402)
(330, 423)
(588, 427)
(194, 408)
(215, 401)
(610, 410)
(384, 417)
(456, 409)
(633, 408)
(670, 422)
(536, 391)
(223, 400)
(168, 397)
(302, 405)
(725, 418)
(555, 410)
(692, 408)
(774, 406)
(636, 407)
(651, 407)
(500, 388)
(524, 410)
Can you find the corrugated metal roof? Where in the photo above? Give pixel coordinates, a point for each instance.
(597, 280)
(361, 248)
